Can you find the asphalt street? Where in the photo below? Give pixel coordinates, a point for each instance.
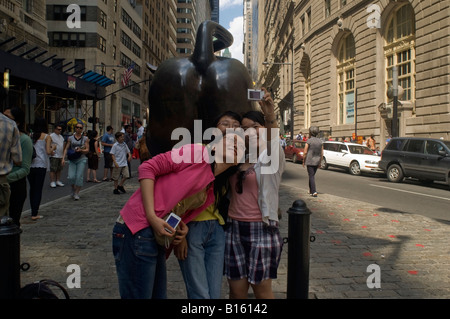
(412, 197)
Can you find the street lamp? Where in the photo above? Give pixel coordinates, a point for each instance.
(292, 89)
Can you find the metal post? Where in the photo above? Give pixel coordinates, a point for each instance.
(10, 258)
(298, 251)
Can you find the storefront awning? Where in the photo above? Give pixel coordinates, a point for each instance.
(97, 79)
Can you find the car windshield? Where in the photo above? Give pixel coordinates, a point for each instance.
(356, 149)
(447, 143)
(298, 145)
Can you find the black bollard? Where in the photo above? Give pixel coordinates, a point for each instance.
(298, 251)
(10, 258)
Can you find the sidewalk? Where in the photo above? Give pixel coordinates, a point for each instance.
(412, 251)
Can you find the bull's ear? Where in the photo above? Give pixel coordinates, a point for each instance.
(151, 67)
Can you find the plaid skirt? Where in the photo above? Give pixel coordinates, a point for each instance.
(252, 250)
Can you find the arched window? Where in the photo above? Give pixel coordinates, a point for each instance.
(399, 50)
(346, 80)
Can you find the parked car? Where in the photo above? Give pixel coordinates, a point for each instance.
(426, 159)
(294, 150)
(354, 157)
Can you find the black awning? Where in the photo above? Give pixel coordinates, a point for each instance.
(65, 84)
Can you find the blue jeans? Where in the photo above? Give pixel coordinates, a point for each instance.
(76, 171)
(140, 264)
(203, 268)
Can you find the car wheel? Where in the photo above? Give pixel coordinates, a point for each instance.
(294, 158)
(323, 164)
(395, 173)
(354, 168)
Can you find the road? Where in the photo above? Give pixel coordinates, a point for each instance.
(431, 200)
(408, 197)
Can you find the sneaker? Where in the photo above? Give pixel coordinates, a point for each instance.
(314, 195)
(52, 184)
(76, 197)
(120, 188)
(116, 191)
(58, 183)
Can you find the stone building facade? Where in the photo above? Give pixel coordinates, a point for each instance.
(344, 57)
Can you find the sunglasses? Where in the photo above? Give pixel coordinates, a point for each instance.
(80, 127)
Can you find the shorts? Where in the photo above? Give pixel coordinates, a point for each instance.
(93, 162)
(117, 171)
(108, 160)
(55, 164)
(252, 251)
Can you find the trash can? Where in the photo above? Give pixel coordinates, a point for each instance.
(9, 258)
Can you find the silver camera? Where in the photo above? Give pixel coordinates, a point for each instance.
(255, 95)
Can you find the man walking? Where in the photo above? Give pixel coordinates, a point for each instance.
(56, 165)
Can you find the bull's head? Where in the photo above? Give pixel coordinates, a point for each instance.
(200, 87)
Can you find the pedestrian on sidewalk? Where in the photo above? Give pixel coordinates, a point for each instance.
(76, 147)
(93, 156)
(253, 242)
(165, 181)
(56, 157)
(313, 154)
(107, 142)
(120, 155)
(130, 143)
(201, 254)
(17, 178)
(40, 165)
(371, 143)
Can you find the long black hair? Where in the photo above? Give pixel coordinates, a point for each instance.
(221, 183)
(39, 126)
(255, 116)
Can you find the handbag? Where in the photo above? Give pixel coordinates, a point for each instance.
(73, 155)
(189, 203)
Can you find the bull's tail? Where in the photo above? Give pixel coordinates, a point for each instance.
(211, 37)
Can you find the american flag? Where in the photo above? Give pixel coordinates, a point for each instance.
(127, 75)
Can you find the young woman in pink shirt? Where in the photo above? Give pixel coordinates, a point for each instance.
(165, 180)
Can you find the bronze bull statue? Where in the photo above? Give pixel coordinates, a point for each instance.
(199, 87)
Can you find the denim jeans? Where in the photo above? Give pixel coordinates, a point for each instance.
(76, 171)
(140, 264)
(203, 268)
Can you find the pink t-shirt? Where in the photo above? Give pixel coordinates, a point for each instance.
(244, 207)
(173, 182)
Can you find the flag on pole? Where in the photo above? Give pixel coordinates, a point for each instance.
(127, 74)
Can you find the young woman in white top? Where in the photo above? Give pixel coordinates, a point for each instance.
(42, 143)
(253, 243)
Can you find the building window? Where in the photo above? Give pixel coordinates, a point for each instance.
(68, 39)
(327, 8)
(102, 19)
(400, 50)
(346, 80)
(102, 44)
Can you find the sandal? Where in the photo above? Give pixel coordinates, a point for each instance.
(88, 181)
(36, 217)
(96, 181)
(105, 179)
